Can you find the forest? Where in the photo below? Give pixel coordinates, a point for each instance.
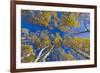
(49, 36)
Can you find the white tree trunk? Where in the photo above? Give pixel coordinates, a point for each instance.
(38, 57)
(47, 54)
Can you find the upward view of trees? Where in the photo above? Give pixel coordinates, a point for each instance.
(60, 37)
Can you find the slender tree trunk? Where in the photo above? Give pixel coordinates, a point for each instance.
(40, 53)
(47, 54)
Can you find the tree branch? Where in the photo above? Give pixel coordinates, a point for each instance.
(86, 27)
(81, 32)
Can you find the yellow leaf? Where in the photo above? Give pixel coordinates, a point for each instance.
(58, 40)
(73, 23)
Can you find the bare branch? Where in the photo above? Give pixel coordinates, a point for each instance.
(86, 27)
(81, 32)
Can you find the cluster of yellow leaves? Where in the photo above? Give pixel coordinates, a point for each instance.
(58, 40)
(74, 15)
(29, 54)
(73, 23)
(37, 41)
(72, 20)
(56, 19)
(69, 20)
(28, 59)
(78, 42)
(63, 28)
(46, 41)
(66, 56)
(69, 56)
(41, 43)
(44, 19)
(27, 48)
(83, 44)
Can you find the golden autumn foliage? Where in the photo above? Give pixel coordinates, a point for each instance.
(58, 40)
(55, 19)
(37, 41)
(78, 42)
(79, 45)
(72, 22)
(70, 19)
(84, 44)
(27, 48)
(47, 16)
(66, 56)
(44, 19)
(46, 41)
(63, 28)
(54, 35)
(27, 54)
(28, 59)
(74, 15)
(69, 56)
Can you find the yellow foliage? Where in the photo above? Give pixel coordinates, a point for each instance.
(70, 19)
(63, 28)
(86, 45)
(69, 56)
(37, 41)
(46, 41)
(28, 59)
(45, 23)
(73, 23)
(50, 46)
(27, 48)
(46, 18)
(74, 15)
(78, 42)
(58, 40)
(65, 41)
